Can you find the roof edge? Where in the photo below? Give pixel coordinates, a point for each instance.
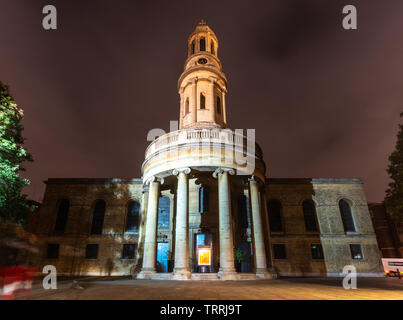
(93, 181)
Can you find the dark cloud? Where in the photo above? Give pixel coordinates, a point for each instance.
(324, 102)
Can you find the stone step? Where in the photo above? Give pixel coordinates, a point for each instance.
(204, 276)
(247, 276)
(161, 276)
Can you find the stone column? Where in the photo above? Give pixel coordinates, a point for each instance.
(227, 269)
(142, 224)
(181, 269)
(208, 42)
(193, 101)
(266, 230)
(150, 241)
(257, 227)
(182, 108)
(211, 101)
(224, 109)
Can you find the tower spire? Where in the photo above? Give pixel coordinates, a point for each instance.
(202, 86)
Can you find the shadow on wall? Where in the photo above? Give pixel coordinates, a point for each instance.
(100, 238)
(292, 229)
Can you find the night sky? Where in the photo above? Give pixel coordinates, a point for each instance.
(324, 101)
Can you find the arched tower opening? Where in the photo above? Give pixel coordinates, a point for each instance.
(202, 85)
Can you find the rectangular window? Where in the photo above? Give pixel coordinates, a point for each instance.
(128, 251)
(317, 251)
(356, 252)
(91, 251)
(202, 44)
(202, 101)
(163, 212)
(53, 251)
(61, 218)
(279, 251)
(275, 220)
(218, 105)
(203, 199)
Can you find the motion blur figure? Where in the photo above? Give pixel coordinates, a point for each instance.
(17, 279)
(16, 271)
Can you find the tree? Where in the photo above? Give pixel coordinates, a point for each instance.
(394, 195)
(13, 205)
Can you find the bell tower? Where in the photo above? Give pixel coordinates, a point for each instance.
(202, 86)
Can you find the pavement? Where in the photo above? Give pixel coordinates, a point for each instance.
(279, 289)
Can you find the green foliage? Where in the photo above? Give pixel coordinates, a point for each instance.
(394, 195)
(13, 205)
(239, 255)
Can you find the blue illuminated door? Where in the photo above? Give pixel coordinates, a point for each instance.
(162, 256)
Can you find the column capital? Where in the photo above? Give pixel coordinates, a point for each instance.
(194, 80)
(154, 179)
(212, 80)
(185, 170)
(220, 171)
(253, 178)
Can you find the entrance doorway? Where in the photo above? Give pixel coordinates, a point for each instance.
(203, 262)
(162, 256)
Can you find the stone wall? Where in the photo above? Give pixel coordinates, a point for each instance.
(82, 194)
(326, 194)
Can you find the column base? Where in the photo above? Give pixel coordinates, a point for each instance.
(264, 273)
(145, 274)
(181, 274)
(228, 275)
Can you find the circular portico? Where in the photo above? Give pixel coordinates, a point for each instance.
(225, 157)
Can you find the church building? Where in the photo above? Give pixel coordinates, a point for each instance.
(205, 208)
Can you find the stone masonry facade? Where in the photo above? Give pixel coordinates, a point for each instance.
(325, 193)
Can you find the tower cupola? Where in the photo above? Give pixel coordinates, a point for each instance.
(202, 86)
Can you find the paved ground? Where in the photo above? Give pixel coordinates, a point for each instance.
(280, 289)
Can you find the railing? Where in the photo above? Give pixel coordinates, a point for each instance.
(202, 136)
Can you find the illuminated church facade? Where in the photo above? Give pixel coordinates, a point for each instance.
(204, 207)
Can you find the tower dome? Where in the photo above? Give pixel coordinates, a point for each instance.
(202, 86)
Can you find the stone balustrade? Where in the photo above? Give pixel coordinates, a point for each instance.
(201, 136)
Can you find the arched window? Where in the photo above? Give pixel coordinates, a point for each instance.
(274, 208)
(243, 211)
(98, 217)
(193, 47)
(203, 199)
(308, 207)
(62, 214)
(218, 105)
(163, 212)
(187, 106)
(212, 49)
(132, 220)
(346, 216)
(202, 44)
(202, 101)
